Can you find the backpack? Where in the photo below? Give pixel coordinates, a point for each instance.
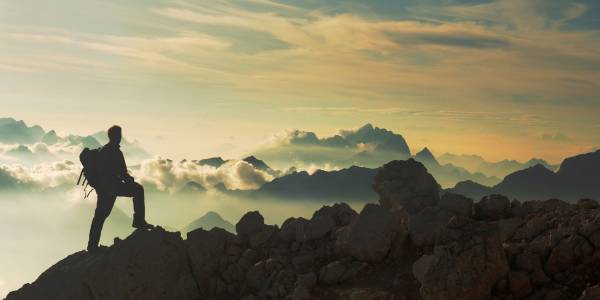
(90, 160)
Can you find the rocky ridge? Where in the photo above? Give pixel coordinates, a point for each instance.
(416, 244)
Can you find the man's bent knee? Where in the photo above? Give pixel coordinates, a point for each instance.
(139, 189)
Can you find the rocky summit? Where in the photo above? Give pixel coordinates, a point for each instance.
(413, 245)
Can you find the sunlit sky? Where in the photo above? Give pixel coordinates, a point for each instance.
(504, 79)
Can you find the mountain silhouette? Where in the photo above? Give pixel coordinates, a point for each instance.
(448, 174)
(257, 163)
(384, 139)
(578, 177)
(17, 132)
(211, 161)
(425, 156)
(350, 184)
(209, 221)
(476, 163)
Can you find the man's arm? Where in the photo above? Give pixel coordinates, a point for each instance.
(123, 168)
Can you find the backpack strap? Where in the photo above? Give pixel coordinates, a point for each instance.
(80, 175)
(88, 193)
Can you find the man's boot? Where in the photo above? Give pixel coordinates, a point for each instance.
(140, 223)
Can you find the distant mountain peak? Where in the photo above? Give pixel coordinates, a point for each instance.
(208, 221)
(257, 163)
(366, 127)
(216, 161)
(426, 156)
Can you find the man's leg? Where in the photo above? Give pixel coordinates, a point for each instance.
(104, 206)
(135, 190)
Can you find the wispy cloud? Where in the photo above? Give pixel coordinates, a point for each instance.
(519, 61)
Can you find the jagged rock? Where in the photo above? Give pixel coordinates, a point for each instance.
(591, 293)
(250, 223)
(508, 227)
(257, 275)
(205, 248)
(341, 213)
(301, 293)
(425, 226)
(566, 253)
(406, 185)
(588, 204)
(146, 265)
(287, 233)
(303, 263)
(370, 236)
(317, 227)
(457, 204)
(532, 228)
(520, 285)
(466, 268)
(307, 280)
(332, 273)
(263, 236)
(422, 266)
(492, 207)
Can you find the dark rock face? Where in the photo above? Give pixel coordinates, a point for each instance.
(457, 204)
(146, 265)
(467, 267)
(492, 208)
(371, 236)
(406, 185)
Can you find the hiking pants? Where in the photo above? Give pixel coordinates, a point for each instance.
(106, 201)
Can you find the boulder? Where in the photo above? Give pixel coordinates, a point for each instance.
(567, 253)
(588, 204)
(251, 223)
(425, 226)
(492, 207)
(422, 266)
(287, 234)
(457, 204)
(466, 268)
(519, 283)
(341, 213)
(406, 185)
(263, 236)
(370, 236)
(332, 273)
(508, 227)
(317, 227)
(591, 293)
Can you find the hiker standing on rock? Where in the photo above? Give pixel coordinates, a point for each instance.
(105, 170)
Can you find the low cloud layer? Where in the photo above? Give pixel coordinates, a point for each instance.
(169, 175)
(40, 176)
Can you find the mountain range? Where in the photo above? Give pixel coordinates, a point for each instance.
(32, 144)
(354, 155)
(476, 163)
(577, 177)
(448, 174)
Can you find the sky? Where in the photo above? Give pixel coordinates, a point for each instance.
(503, 79)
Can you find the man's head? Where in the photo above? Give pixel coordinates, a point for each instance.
(114, 135)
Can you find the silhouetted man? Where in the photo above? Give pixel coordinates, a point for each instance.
(115, 181)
